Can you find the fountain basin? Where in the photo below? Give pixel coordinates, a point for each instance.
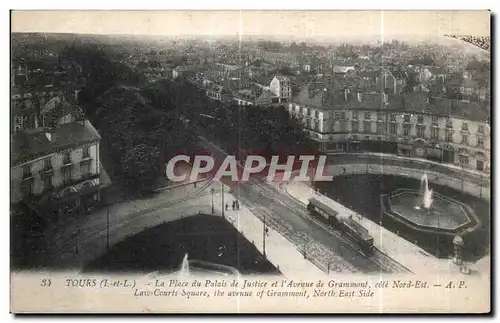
(445, 215)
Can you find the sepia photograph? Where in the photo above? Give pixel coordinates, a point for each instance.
(250, 161)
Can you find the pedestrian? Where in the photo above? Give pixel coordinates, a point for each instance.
(237, 205)
(234, 205)
(226, 206)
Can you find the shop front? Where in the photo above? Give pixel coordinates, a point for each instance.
(448, 155)
(419, 148)
(481, 161)
(434, 153)
(405, 150)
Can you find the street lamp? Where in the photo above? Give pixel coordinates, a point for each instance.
(213, 191)
(107, 228)
(264, 236)
(222, 199)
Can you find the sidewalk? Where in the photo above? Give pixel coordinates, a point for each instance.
(401, 250)
(279, 251)
(451, 167)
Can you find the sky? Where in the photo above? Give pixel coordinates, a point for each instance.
(297, 24)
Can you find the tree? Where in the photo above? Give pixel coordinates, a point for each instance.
(141, 167)
(411, 82)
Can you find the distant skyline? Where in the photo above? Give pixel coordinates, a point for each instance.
(320, 25)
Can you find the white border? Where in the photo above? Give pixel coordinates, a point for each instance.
(189, 4)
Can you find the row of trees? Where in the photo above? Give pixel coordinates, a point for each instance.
(137, 138)
(143, 125)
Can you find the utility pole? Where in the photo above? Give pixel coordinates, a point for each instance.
(213, 208)
(107, 229)
(223, 206)
(264, 236)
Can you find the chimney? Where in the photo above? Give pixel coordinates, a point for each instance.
(49, 136)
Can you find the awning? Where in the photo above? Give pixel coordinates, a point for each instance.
(405, 146)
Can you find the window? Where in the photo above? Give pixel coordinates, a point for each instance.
(67, 158)
(420, 119)
(342, 115)
(435, 133)
(465, 139)
(85, 168)
(407, 118)
(355, 114)
(66, 175)
(480, 129)
(480, 142)
(47, 163)
(449, 123)
(343, 126)
(480, 165)
(355, 126)
(47, 182)
(435, 120)
(367, 115)
(380, 116)
(420, 131)
(337, 115)
(380, 127)
(18, 123)
(464, 160)
(465, 126)
(367, 137)
(379, 138)
(27, 187)
(355, 137)
(393, 128)
(374, 127)
(449, 136)
(26, 171)
(393, 117)
(367, 126)
(406, 129)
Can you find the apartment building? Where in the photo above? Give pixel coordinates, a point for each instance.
(450, 131)
(55, 170)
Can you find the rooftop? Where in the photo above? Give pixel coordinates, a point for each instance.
(416, 102)
(29, 145)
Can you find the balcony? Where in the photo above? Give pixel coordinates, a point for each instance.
(67, 163)
(47, 169)
(86, 158)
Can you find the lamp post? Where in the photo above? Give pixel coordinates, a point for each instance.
(213, 208)
(264, 236)
(222, 199)
(107, 228)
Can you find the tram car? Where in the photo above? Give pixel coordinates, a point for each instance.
(348, 227)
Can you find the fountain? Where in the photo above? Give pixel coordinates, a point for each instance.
(426, 194)
(184, 271)
(196, 267)
(435, 216)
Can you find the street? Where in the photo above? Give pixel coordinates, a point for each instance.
(291, 219)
